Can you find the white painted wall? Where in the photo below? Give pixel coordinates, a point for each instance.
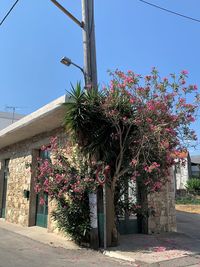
(182, 175)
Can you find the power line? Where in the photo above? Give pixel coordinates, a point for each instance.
(8, 13)
(169, 11)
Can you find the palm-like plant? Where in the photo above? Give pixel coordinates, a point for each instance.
(87, 123)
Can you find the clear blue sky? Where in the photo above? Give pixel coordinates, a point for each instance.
(129, 35)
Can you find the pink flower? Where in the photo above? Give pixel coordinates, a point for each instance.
(133, 178)
(149, 120)
(159, 249)
(125, 118)
(174, 118)
(132, 100)
(157, 186)
(183, 81)
(46, 182)
(182, 100)
(151, 107)
(54, 143)
(190, 118)
(42, 201)
(59, 178)
(130, 72)
(195, 87)
(129, 80)
(146, 182)
(155, 95)
(152, 167)
(148, 77)
(184, 72)
(133, 162)
(107, 168)
(165, 144)
(37, 188)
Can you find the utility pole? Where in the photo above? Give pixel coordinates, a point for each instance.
(90, 71)
(89, 47)
(13, 111)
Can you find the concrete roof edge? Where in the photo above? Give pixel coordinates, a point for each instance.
(41, 112)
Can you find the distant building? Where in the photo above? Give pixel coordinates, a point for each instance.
(7, 118)
(182, 170)
(195, 166)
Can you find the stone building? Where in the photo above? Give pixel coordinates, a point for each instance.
(20, 144)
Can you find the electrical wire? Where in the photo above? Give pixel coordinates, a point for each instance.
(8, 13)
(169, 11)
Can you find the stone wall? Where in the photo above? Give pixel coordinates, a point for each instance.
(163, 203)
(19, 209)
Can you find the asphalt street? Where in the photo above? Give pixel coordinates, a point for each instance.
(189, 224)
(19, 251)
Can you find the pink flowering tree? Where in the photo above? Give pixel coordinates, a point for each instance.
(134, 126)
(67, 180)
(128, 132)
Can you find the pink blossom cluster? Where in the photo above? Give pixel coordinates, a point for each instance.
(152, 167)
(161, 111)
(58, 178)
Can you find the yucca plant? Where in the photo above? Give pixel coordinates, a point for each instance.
(87, 123)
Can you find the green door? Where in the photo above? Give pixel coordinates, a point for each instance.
(128, 223)
(5, 183)
(42, 211)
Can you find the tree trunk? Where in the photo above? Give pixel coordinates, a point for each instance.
(112, 233)
(143, 202)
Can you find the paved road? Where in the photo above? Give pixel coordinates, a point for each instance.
(19, 251)
(189, 224)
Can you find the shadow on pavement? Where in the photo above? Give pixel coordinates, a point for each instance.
(181, 248)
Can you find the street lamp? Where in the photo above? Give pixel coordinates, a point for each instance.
(67, 62)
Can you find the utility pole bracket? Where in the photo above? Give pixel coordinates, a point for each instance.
(72, 17)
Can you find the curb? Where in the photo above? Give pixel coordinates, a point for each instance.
(118, 255)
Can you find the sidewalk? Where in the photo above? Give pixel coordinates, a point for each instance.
(39, 234)
(170, 249)
(163, 250)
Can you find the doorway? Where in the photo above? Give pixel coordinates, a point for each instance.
(127, 221)
(5, 185)
(42, 208)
